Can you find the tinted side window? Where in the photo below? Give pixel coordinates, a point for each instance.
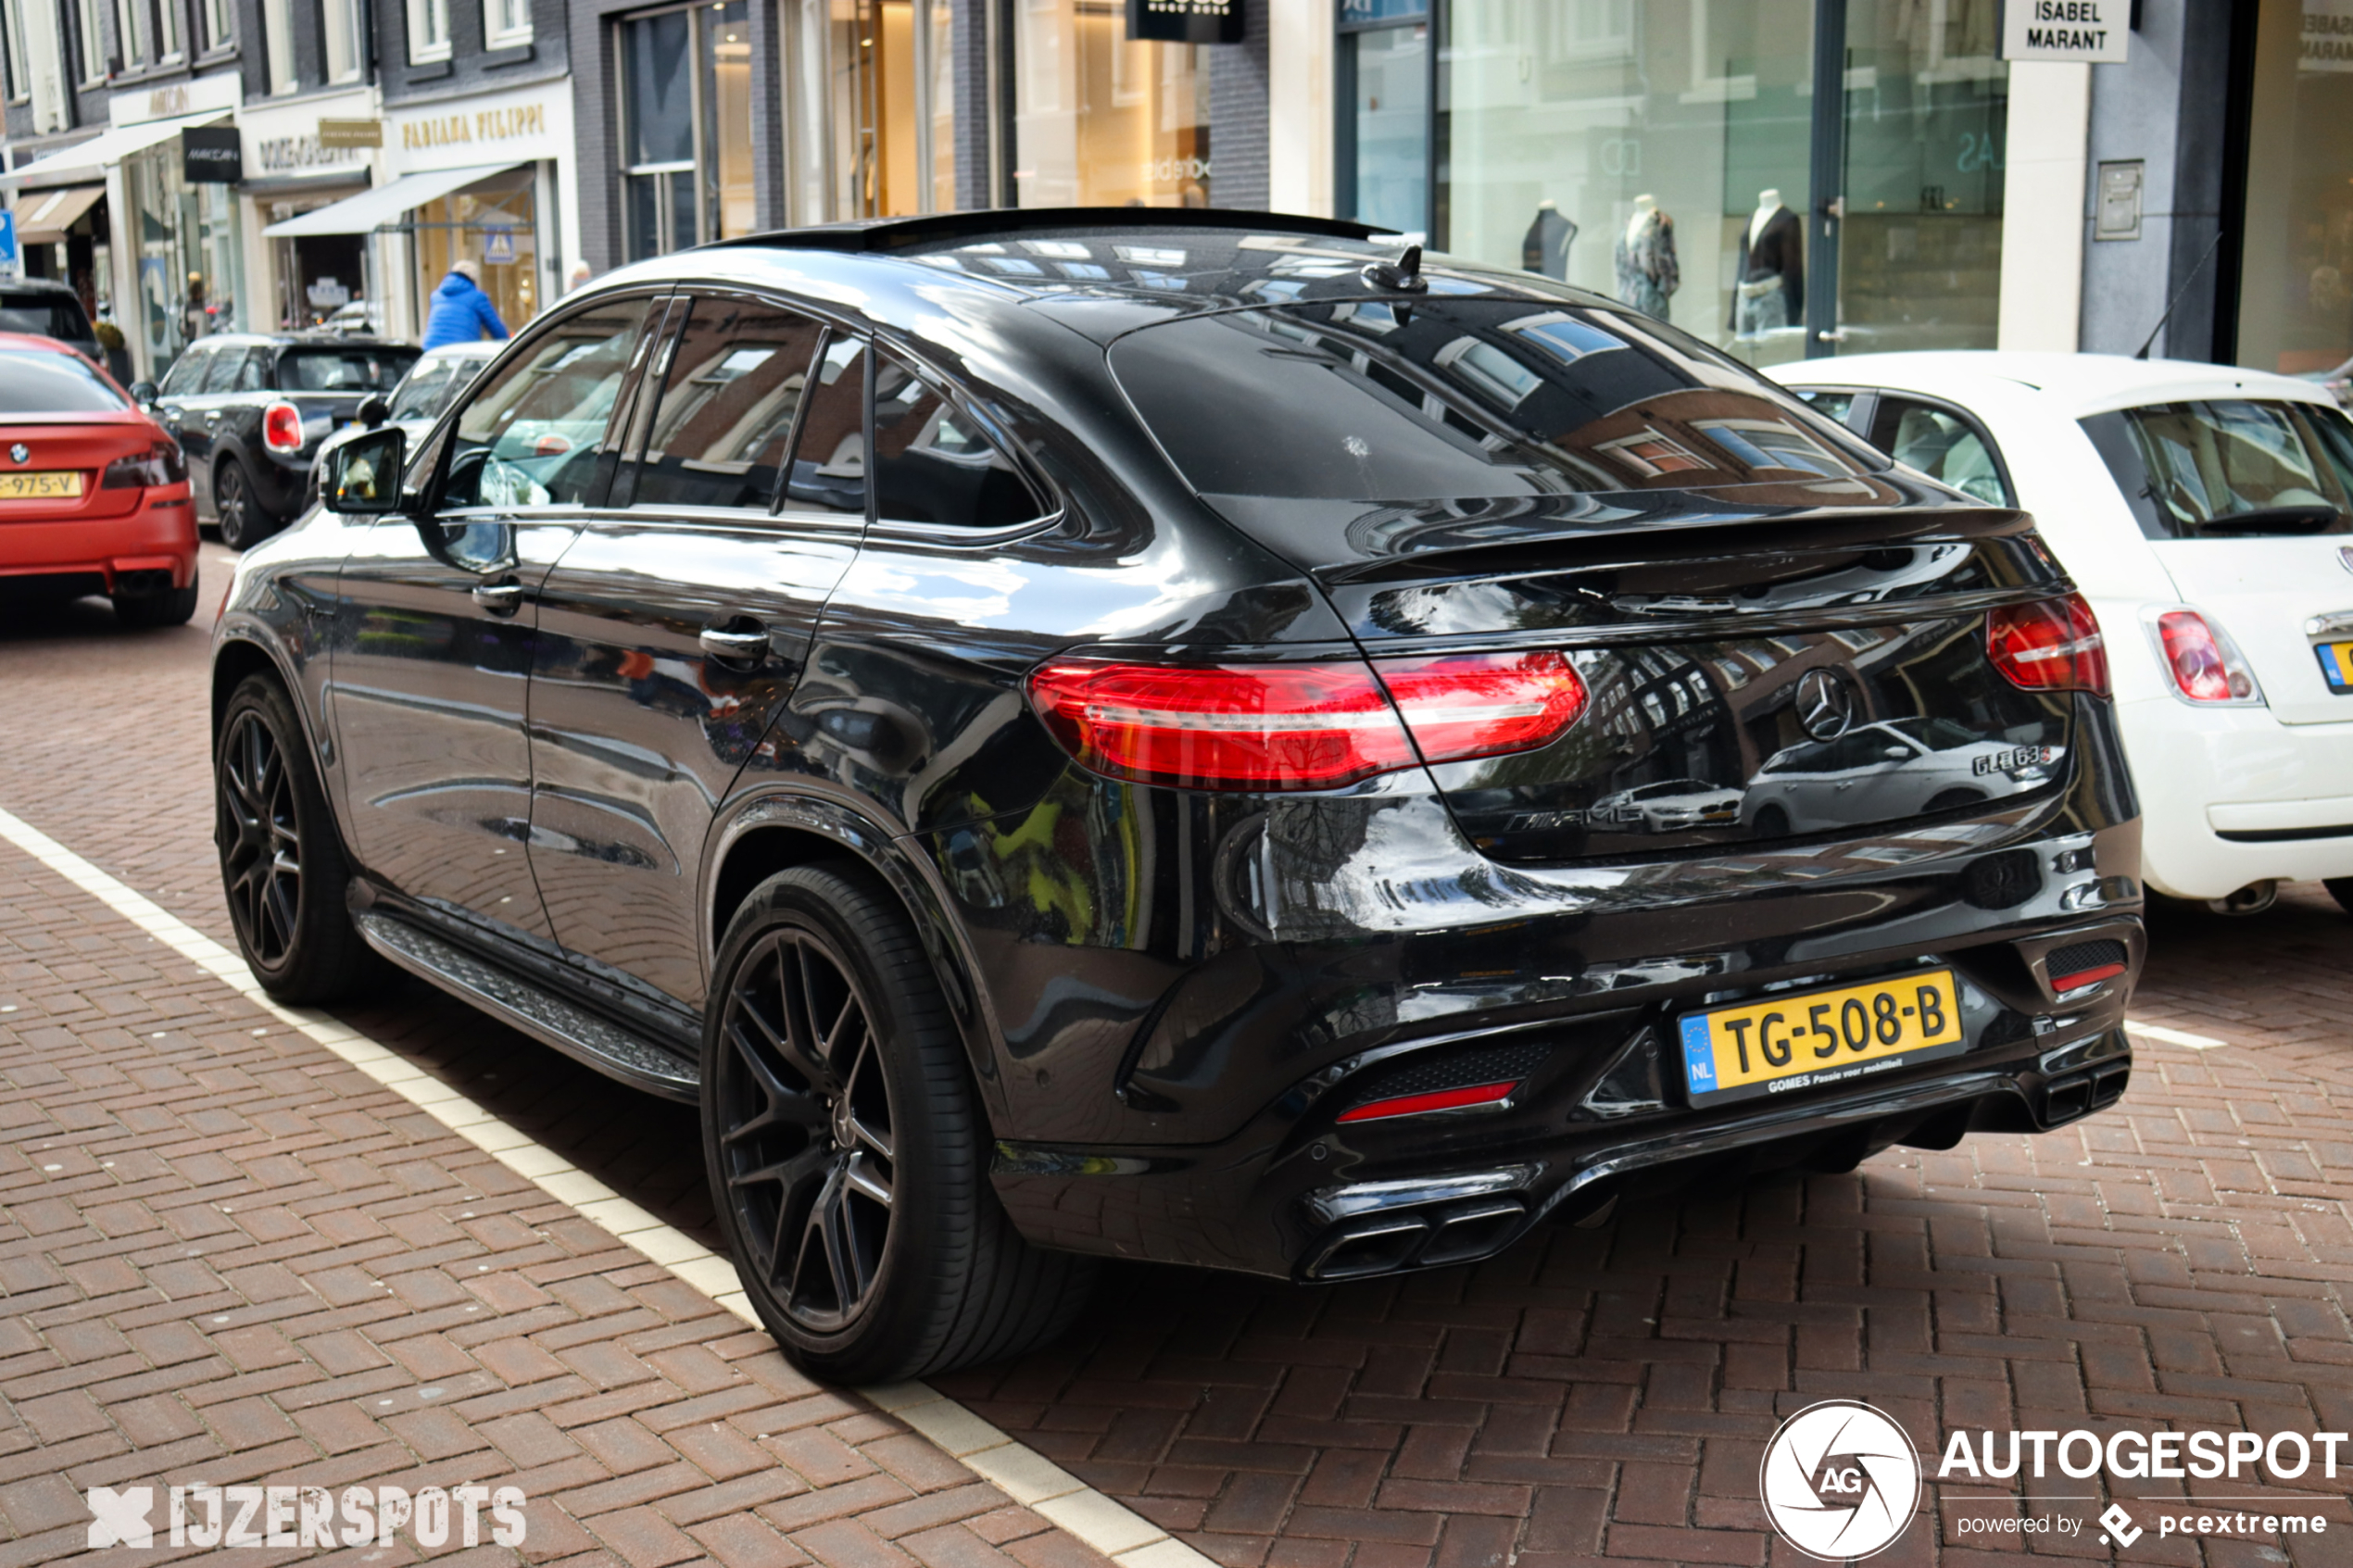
(221, 371)
(829, 457)
(726, 412)
(533, 434)
(2227, 468)
(343, 370)
(186, 378)
(931, 462)
(1942, 446)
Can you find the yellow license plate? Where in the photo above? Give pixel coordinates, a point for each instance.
(1816, 1038)
(40, 486)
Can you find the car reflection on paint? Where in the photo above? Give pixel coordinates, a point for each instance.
(1669, 806)
(1899, 766)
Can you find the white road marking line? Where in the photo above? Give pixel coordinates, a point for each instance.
(2175, 1036)
(1018, 1471)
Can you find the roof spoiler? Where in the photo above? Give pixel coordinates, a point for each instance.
(885, 234)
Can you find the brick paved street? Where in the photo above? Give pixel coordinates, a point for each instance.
(228, 1257)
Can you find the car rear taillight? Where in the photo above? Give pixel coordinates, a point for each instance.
(282, 428)
(159, 464)
(2206, 665)
(2048, 645)
(1301, 726)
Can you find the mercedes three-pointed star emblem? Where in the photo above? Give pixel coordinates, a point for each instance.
(1825, 705)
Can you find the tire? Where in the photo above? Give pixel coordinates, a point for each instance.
(1772, 821)
(173, 606)
(281, 860)
(848, 1158)
(242, 523)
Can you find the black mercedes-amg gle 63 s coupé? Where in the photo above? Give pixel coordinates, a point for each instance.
(1089, 734)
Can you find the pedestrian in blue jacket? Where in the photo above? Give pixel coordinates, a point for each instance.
(461, 312)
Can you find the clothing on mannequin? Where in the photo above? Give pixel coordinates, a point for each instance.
(1545, 250)
(1648, 273)
(1771, 290)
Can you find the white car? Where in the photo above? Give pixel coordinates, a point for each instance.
(2206, 512)
(1669, 807)
(1896, 767)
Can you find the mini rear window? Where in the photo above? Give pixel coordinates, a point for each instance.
(342, 370)
(2229, 468)
(1458, 398)
(44, 381)
(44, 315)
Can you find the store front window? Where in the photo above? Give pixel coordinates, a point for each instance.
(189, 255)
(687, 140)
(1101, 122)
(494, 222)
(2296, 276)
(1661, 152)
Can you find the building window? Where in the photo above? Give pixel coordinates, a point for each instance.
(428, 29)
(276, 38)
(168, 29)
(506, 23)
(133, 32)
(339, 27)
(94, 41)
(220, 30)
(18, 62)
(2295, 272)
(686, 169)
(1100, 121)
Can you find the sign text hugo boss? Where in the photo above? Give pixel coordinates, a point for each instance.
(1186, 21)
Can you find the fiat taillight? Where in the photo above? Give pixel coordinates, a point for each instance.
(2207, 667)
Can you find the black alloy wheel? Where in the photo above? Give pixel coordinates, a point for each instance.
(808, 1151)
(282, 864)
(847, 1149)
(241, 525)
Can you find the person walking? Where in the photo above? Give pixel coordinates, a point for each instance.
(461, 312)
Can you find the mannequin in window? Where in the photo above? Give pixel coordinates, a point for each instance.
(1545, 250)
(1648, 273)
(1770, 293)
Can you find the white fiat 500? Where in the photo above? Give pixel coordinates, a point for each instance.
(2206, 512)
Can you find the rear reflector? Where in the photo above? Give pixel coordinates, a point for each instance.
(2086, 977)
(1441, 1099)
(1301, 726)
(2048, 645)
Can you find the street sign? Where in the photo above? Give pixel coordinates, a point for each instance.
(498, 246)
(8, 241)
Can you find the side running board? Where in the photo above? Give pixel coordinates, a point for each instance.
(587, 1037)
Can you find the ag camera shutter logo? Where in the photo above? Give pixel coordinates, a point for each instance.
(1840, 1480)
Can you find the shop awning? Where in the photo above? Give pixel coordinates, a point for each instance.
(42, 216)
(109, 148)
(385, 206)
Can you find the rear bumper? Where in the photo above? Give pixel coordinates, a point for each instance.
(1184, 1020)
(2231, 795)
(160, 534)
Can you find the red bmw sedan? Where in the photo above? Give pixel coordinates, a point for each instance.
(93, 494)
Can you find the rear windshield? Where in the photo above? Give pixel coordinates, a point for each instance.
(342, 370)
(2229, 468)
(1456, 398)
(38, 381)
(45, 315)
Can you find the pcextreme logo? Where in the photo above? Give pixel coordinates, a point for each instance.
(1840, 1480)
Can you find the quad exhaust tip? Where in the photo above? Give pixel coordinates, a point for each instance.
(1383, 1244)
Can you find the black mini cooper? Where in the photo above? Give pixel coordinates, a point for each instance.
(1109, 733)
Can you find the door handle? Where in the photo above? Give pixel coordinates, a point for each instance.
(499, 598)
(736, 646)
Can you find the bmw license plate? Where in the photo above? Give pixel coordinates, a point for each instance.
(64, 485)
(2336, 663)
(1817, 1037)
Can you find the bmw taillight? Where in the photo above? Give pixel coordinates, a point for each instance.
(1301, 726)
(282, 428)
(2206, 665)
(2048, 645)
(159, 464)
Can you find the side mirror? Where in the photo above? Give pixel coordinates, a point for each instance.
(374, 410)
(363, 474)
(144, 393)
